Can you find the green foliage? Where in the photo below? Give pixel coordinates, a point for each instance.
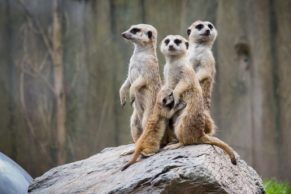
(274, 187)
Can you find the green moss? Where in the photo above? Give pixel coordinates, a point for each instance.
(275, 187)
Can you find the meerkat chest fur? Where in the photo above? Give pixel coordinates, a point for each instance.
(172, 72)
(142, 63)
(180, 70)
(201, 57)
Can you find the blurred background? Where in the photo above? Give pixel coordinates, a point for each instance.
(63, 62)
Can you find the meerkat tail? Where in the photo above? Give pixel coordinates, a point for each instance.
(219, 143)
(210, 127)
(133, 159)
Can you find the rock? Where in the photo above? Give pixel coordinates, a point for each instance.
(191, 169)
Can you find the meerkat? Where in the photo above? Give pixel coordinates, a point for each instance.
(149, 142)
(181, 78)
(202, 35)
(143, 81)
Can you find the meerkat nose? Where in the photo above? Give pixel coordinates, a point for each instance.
(123, 35)
(171, 47)
(207, 32)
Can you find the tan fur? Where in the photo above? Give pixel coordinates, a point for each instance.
(150, 140)
(143, 81)
(203, 62)
(179, 76)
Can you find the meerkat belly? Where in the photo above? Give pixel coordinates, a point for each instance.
(195, 62)
(195, 107)
(172, 82)
(134, 73)
(144, 98)
(191, 123)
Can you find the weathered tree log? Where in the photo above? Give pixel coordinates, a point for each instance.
(192, 169)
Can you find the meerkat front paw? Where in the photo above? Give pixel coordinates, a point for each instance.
(132, 99)
(122, 101)
(122, 96)
(180, 105)
(176, 101)
(131, 96)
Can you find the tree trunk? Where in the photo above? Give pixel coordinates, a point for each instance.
(60, 106)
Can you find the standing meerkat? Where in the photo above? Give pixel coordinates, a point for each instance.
(202, 35)
(150, 141)
(179, 76)
(143, 81)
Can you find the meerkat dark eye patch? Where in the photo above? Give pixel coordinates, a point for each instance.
(210, 26)
(150, 34)
(177, 41)
(167, 41)
(187, 44)
(199, 26)
(188, 32)
(134, 30)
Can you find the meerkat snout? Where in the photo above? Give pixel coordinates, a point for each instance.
(207, 32)
(171, 48)
(124, 35)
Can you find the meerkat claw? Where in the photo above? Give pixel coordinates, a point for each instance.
(132, 100)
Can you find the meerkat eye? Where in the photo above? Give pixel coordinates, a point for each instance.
(177, 41)
(187, 44)
(134, 30)
(167, 41)
(188, 32)
(199, 26)
(210, 26)
(150, 34)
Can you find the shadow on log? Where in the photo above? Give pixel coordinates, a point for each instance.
(191, 169)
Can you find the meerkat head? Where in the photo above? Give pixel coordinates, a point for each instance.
(202, 32)
(166, 102)
(166, 98)
(174, 45)
(141, 34)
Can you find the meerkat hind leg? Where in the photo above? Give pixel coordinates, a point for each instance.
(136, 131)
(135, 126)
(143, 155)
(128, 152)
(173, 146)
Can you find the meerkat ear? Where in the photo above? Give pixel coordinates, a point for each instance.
(187, 44)
(188, 32)
(150, 34)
